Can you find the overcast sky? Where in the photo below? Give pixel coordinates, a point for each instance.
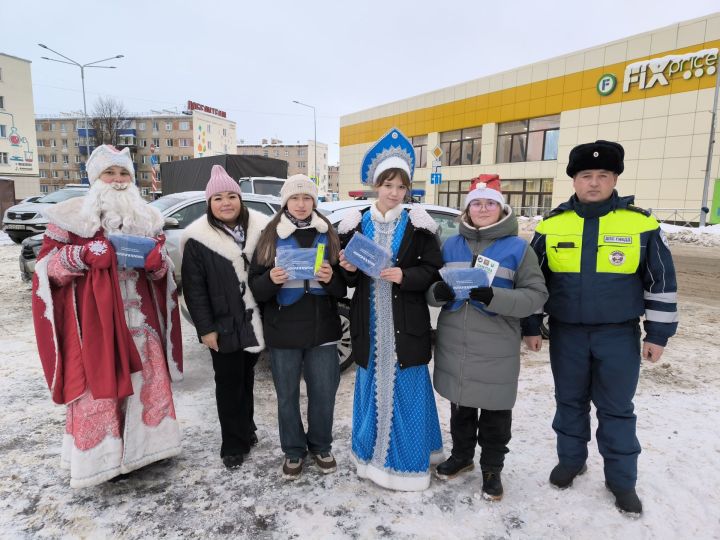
(253, 58)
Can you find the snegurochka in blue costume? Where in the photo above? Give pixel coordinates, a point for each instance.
(395, 432)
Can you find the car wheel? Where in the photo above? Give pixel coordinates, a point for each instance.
(344, 346)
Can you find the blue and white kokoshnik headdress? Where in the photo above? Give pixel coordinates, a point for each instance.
(393, 151)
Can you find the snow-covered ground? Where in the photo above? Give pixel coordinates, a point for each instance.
(194, 496)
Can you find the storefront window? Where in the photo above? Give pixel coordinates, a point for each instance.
(471, 146)
(420, 145)
(535, 139)
(453, 193)
(528, 197)
(462, 146)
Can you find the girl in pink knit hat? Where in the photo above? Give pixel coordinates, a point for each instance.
(217, 250)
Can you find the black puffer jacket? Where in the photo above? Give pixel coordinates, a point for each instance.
(215, 284)
(309, 322)
(420, 258)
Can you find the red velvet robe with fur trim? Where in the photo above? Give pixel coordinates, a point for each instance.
(120, 415)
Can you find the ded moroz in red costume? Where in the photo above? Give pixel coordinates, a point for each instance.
(109, 339)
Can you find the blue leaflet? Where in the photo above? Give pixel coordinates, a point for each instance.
(463, 279)
(299, 263)
(131, 250)
(369, 257)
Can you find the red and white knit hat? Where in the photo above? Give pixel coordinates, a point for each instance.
(221, 181)
(489, 190)
(105, 156)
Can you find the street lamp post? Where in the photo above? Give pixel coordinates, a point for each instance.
(704, 210)
(82, 67)
(317, 180)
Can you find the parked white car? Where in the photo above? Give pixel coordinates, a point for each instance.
(26, 219)
(181, 209)
(261, 185)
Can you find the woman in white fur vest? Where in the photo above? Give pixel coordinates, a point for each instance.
(216, 257)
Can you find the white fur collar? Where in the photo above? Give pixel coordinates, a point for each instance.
(222, 244)
(418, 217)
(390, 216)
(71, 216)
(286, 227)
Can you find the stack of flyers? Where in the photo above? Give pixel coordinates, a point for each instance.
(369, 257)
(131, 250)
(462, 280)
(299, 263)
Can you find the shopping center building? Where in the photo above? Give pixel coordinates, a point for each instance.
(651, 92)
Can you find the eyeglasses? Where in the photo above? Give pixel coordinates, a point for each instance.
(487, 205)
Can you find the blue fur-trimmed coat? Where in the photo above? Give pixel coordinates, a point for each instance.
(420, 258)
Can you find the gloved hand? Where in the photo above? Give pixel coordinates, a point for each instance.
(443, 292)
(482, 294)
(98, 253)
(154, 259)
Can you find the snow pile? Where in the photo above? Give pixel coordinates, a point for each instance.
(5, 239)
(528, 224)
(702, 236)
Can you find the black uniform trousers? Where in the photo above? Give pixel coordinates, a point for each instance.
(490, 429)
(234, 381)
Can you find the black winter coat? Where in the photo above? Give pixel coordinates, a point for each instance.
(311, 321)
(420, 258)
(215, 284)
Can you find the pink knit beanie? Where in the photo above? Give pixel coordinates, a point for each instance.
(221, 181)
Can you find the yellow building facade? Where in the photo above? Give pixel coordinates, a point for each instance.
(652, 92)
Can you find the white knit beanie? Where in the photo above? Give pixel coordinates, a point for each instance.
(297, 184)
(105, 156)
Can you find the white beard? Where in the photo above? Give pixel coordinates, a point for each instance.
(119, 209)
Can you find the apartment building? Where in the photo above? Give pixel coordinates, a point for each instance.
(18, 149)
(152, 138)
(300, 158)
(334, 178)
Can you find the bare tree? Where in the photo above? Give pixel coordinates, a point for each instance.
(108, 118)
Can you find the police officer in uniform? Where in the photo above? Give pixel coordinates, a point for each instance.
(606, 263)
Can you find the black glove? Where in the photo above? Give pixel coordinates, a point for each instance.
(443, 292)
(482, 294)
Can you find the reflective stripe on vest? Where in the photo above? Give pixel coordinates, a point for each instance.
(293, 290)
(618, 242)
(508, 251)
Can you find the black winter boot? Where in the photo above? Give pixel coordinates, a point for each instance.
(627, 502)
(492, 488)
(562, 477)
(451, 467)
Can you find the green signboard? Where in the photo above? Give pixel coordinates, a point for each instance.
(714, 216)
